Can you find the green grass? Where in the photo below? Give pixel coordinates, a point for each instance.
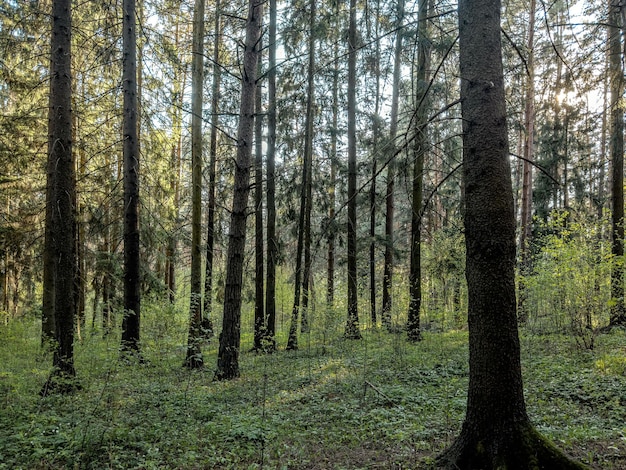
(334, 404)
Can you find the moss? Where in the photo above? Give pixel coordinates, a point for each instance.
(522, 449)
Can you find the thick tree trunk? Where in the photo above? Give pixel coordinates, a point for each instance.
(496, 433)
(228, 354)
(61, 206)
(194, 354)
(616, 146)
(272, 243)
(131, 323)
(352, 325)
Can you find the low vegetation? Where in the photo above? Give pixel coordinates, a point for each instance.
(335, 404)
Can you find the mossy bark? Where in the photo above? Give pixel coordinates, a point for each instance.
(520, 447)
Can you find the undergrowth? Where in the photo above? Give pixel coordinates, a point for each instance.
(334, 404)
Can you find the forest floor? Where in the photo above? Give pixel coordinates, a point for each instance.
(333, 404)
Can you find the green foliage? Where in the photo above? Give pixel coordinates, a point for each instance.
(444, 279)
(568, 288)
(376, 403)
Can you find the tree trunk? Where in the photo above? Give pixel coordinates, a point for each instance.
(228, 354)
(616, 148)
(60, 206)
(301, 279)
(496, 433)
(352, 325)
(131, 323)
(387, 301)
(419, 148)
(194, 354)
(292, 340)
(259, 262)
(308, 161)
(375, 156)
(207, 315)
(272, 242)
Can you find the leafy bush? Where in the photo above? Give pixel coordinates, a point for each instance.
(568, 288)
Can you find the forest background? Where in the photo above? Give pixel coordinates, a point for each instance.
(402, 244)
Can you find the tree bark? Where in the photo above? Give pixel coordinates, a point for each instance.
(194, 354)
(352, 325)
(373, 190)
(308, 161)
(292, 340)
(60, 205)
(387, 301)
(132, 298)
(496, 433)
(228, 354)
(419, 151)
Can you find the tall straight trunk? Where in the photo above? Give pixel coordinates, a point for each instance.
(207, 314)
(62, 186)
(132, 298)
(376, 138)
(391, 176)
(292, 340)
(304, 220)
(496, 432)
(352, 325)
(419, 151)
(330, 278)
(228, 354)
(308, 161)
(272, 243)
(194, 354)
(259, 261)
(616, 148)
(527, 178)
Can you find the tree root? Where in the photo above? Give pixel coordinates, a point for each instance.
(521, 449)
